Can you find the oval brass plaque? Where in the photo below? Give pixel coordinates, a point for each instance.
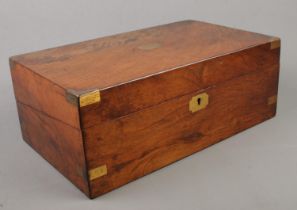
(149, 46)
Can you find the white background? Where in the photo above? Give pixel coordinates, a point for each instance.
(256, 169)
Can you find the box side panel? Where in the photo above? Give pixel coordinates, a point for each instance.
(132, 97)
(137, 144)
(60, 144)
(41, 94)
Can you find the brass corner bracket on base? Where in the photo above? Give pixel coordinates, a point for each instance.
(97, 172)
(272, 100)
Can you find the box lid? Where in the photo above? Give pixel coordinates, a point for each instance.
(133, 64)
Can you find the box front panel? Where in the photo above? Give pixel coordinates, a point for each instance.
(121, 150)
(137, 95)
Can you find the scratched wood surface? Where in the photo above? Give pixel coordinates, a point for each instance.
(146, 79)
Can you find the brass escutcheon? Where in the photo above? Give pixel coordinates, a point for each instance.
(198, 102)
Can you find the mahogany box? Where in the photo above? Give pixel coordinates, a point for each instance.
(107, 111)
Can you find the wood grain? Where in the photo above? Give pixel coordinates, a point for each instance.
(146, 79)
(107, 62)
(60, 144)
(43, 95)
(128, 98)
(137, 144)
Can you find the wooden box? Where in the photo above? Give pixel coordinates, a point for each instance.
(107, 111)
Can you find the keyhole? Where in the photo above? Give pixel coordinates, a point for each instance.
(199, 101)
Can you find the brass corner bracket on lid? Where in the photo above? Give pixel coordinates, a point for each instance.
(275, 43)
(89, 98)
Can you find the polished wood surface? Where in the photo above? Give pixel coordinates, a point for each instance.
(128, 98)
(137, 144)
(146, 79)
(110, 61)
(60, 144)
(39, 93)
